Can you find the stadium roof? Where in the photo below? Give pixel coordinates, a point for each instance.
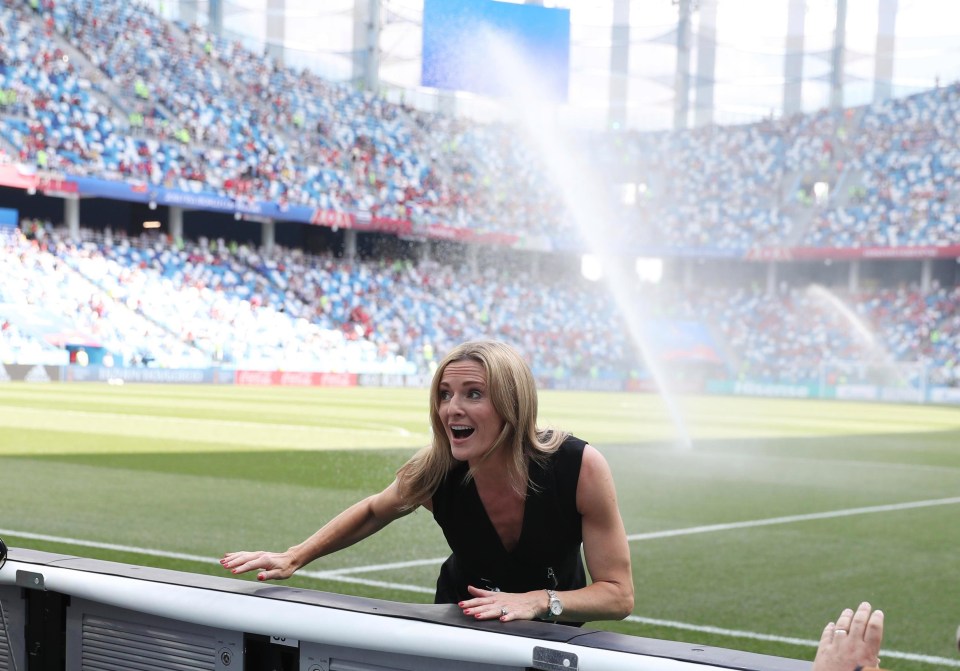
(750, 42)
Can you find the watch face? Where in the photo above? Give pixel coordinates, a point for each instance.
(556, 607)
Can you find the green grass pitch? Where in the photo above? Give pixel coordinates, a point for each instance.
(174, 476)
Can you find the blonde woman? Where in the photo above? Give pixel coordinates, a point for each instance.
(515, 502)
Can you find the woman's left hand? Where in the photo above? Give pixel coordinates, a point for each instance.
(504, 606)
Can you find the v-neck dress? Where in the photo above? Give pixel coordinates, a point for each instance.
(547, 555)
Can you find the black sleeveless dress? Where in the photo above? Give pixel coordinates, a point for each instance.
(547, 555)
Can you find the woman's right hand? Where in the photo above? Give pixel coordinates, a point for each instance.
(357, 522)
(272, 565)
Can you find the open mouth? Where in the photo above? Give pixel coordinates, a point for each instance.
(461, 432)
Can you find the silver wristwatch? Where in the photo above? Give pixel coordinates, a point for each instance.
(556, 606)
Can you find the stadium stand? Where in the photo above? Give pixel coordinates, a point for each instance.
(907, 157)
(110, 89)
(189, 109)
(198, 305)
(107, 89)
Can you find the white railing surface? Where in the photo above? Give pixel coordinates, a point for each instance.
(107, 615)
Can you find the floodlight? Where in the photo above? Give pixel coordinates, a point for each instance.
(821, 192)
(591, 267)
(649, 269)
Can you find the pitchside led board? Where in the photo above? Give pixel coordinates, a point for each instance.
(494, 48)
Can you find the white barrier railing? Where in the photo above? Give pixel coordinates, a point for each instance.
(144, 601)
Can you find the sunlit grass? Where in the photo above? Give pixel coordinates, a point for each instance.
(201, 470)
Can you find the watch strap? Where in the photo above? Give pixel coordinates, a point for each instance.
(552, 597)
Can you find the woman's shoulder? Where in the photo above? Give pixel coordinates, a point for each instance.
(548, 441)
(570, 449)
(578, 457)
(572, 443)
(567, 456)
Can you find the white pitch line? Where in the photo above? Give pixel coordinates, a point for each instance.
(336, 575)
(337, 572)
(686, 531)
(787, 519)
(323, 575)
(811, 643)
(150, 552)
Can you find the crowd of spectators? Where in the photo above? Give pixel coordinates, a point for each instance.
(906, 155)
(189, 110)
(208, 303)
(229, 304)
(49, 113)
(706, 189)
(167, 104)
(800, 334)
(54, 305)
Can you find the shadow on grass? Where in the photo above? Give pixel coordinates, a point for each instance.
(330, 469)
(934, 448)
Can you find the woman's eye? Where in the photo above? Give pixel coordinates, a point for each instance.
(474, 394)
(444, 395)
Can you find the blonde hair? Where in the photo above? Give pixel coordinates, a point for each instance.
(513, 393)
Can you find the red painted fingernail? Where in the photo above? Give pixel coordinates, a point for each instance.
(260, 577)
(460, 604)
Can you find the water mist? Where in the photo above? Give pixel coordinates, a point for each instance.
(587, 200)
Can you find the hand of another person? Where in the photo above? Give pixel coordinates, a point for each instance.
(854, 640)
(505, 606)
(272, 565)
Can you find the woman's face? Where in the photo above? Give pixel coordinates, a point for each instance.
(466, 410)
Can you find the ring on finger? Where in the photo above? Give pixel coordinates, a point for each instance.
(503, 611)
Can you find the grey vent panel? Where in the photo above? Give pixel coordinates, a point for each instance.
(5, 653)
(343, 665)
(11, 629)
(109, 644)
(105, 638)
(322, 657)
